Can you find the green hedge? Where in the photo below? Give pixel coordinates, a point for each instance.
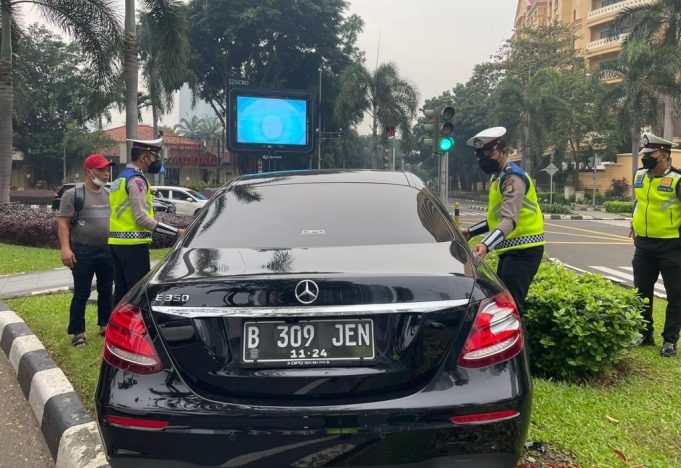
(626, 207)
(578, 324)
(555, 209)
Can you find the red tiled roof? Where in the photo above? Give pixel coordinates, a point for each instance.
(146, 132)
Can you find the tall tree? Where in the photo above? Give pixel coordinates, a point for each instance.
(161, 83)
(528, 110)
(93, 25)
(170, 30)
(388, 99)
(659, 24)
(644, 75)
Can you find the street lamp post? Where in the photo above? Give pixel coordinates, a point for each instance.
(327, 136)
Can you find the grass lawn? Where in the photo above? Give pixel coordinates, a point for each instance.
(636, 410)
(18, 259)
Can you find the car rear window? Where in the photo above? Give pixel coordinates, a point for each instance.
(319, 215)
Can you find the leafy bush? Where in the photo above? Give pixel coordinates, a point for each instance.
(577, 325)
(32, 197)
(22, 225)
(620, 187)
(558, 198)
(626, 207)
(555, 209)
(478, 196)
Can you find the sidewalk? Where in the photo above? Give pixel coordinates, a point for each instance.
(39, 282)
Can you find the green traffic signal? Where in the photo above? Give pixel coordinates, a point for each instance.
(446, 144)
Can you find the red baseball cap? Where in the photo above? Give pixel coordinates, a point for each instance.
(97, 161)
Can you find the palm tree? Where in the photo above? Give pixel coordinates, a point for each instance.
(93, 25)
(189, 127)
(659, 24)
(528, 110)
(171, 30)
(389, 99)
(644, 75)
(160, 83)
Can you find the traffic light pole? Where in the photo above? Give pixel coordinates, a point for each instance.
(444, 169)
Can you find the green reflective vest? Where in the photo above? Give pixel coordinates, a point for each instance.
(658, 210)
(123, 228)
(529, 230)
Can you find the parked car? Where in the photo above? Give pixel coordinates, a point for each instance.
(160, 205)
(187, 201)
(317, 319)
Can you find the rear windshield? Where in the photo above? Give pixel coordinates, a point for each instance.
(319, 215)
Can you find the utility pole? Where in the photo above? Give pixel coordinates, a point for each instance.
(319, 154)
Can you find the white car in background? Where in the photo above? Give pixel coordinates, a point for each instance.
(187, 201)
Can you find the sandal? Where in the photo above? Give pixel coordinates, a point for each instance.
(78, 340)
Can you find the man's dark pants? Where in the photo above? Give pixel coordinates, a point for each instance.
(652, 257)
(516, 269)
(90, 261)
(131, 264)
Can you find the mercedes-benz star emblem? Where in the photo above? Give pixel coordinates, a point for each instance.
(307, 291)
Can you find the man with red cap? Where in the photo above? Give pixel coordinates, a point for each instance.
(83, 232)
(515, 224)
(657, 227)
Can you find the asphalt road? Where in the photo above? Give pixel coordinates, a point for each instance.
(596, 246)
(23, 445)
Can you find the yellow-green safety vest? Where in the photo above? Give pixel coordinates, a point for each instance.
(529, 230)
(123, 228)
(658, 210)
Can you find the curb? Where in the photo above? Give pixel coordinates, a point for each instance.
(563, 217)
(70, 433)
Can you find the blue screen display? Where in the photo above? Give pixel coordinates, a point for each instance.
(271, 121)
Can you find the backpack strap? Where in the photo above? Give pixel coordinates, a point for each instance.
(78, 202)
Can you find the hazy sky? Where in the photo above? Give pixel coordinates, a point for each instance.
(467, 33)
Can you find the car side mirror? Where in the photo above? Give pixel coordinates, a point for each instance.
(190, 199)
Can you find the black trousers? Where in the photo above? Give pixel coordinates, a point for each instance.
(652, 257)
(516, 269)
(90, 261)
(131, 264)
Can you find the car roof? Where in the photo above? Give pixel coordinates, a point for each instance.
(331, 176)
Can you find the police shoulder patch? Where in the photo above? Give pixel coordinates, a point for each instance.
(508, 186)
(140, 184)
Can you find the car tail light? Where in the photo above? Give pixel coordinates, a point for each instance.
(496, 335)
(56, 195)
(484, 417)
(136, 423)
(127, 344)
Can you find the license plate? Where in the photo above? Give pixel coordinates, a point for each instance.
(309, 341)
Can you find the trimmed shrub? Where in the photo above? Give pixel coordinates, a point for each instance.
(22, 225)
(32, 197)
(555, 209)
(578, 325)
(626, 207)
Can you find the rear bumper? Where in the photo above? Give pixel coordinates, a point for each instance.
(494, 460)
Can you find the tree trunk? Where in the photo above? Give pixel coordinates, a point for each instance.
(6, 103)
(374, 144)
(668, 118)
(635, 145)
(130, 66)
(526, 164)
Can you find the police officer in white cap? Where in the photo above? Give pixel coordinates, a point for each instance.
(515, 224)
(656, 226)
(132, 217)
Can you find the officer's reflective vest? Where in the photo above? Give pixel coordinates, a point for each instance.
(123, 228)
(658, 210)
(529, 231)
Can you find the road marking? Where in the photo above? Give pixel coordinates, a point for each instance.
(599, 233)
(575, 235)
(627, 276)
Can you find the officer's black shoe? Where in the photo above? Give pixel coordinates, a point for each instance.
(668, 349)
(646, 340)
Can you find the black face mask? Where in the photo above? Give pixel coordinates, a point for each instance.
(155, 167)
(489, 166)
(649, 162)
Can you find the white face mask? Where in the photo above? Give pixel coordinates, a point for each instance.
(98, 182)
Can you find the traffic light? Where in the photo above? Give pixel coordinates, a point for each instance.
(431, 128)
(446, 128)
(390, 131)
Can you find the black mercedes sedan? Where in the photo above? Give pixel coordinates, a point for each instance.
(311, 319)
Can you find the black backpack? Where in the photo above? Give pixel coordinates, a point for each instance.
(78, 202)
